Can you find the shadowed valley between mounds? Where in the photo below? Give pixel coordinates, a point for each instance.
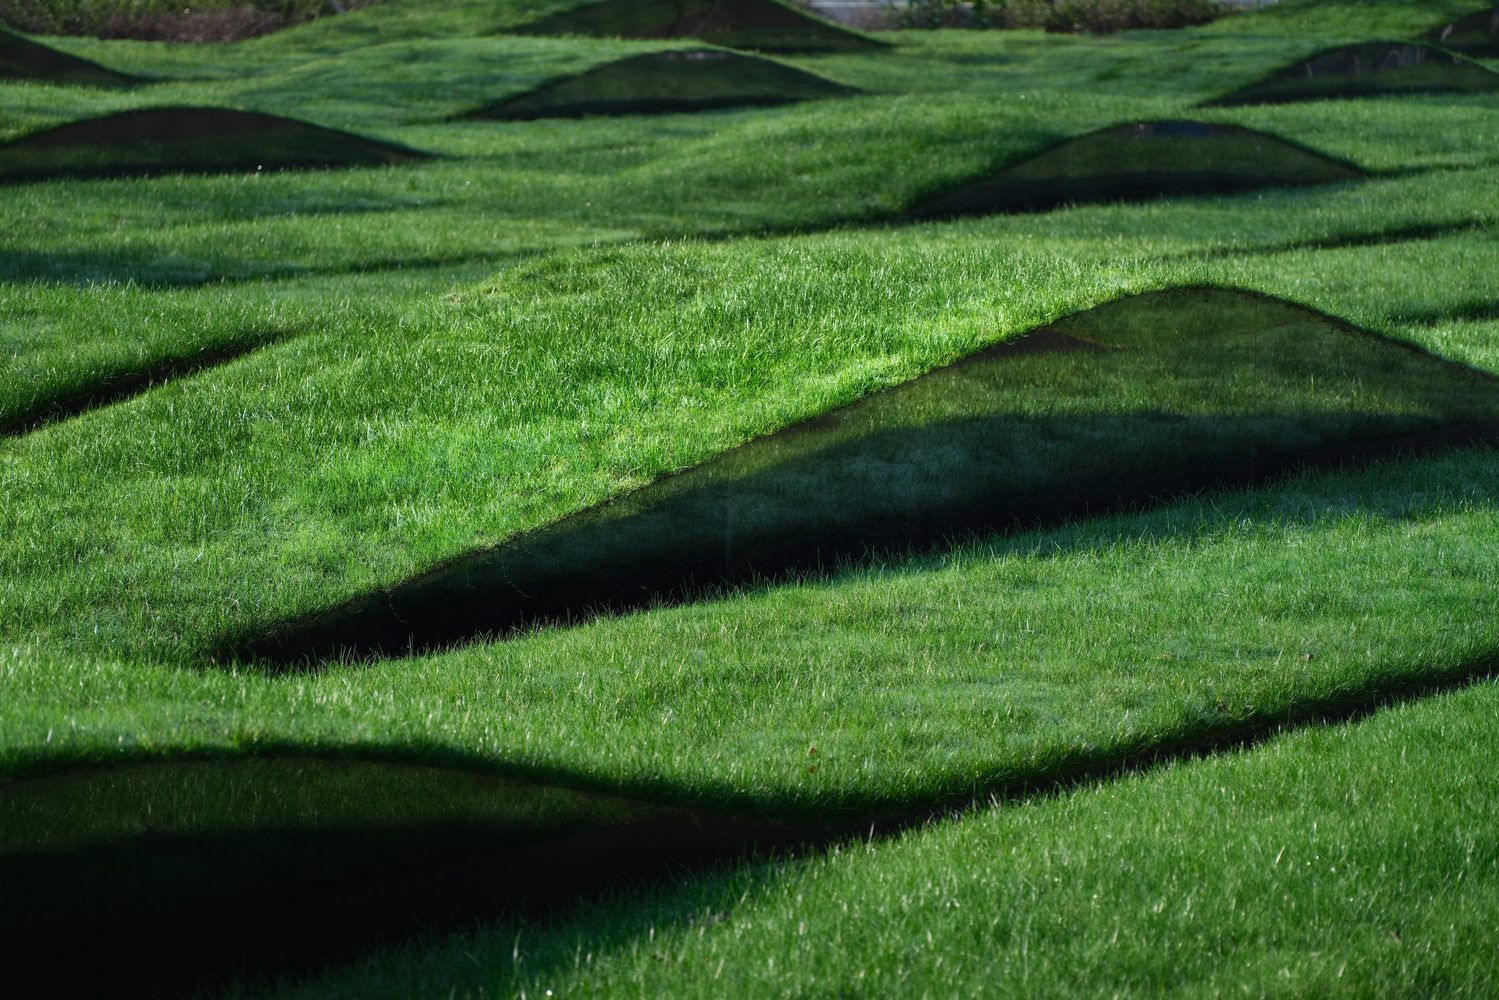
(1124, 405)
(1368, 70)
(660, 82)
(188, 140)
(23, 59)
(762, 25)
(1475, 35)
(1142, 161)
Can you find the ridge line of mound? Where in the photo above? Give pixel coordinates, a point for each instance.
(146, 141)
(673, 81)
(1368, 69)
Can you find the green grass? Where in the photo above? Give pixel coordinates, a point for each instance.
(445, 360)
(1349, 860)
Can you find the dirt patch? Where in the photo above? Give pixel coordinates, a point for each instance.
(659, 82)
(1368, 70)
(1139, 162)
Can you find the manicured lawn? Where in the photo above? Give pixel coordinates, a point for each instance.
(445, 358)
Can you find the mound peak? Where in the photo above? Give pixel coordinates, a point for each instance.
(199, 140)
(1132, 401)
(765, 25)
(1367, 70)
(684, 80)
(1142, 161)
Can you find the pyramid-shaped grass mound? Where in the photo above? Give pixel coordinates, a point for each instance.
(694, 80)
(765, 25)
(1135, 400)
(1148, 160)
(1368, 70)
(1475, 35)
(194, 140)
(23, 59)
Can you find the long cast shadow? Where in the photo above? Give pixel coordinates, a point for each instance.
(1123, 406)
(157, 913)
(120, 388)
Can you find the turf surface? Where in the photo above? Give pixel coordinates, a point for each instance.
(443, 361)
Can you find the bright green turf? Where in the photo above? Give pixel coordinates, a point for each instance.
(426, 389)
(1342, 861)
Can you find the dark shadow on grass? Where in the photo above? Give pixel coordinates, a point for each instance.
(1121, 407)
(1370, 69)
(1475, 35)
(266, 869)
(668, 82)
(120, 387)
(154, 141)
(23, 59)
(1140, 162)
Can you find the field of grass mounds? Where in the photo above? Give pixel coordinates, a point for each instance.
(1475, 35)
(1369, 70)
(763, 25)
(1143, 161)
(194, 140)
(658, 82)
(1140, 399)
(622, 555)
(23, 59)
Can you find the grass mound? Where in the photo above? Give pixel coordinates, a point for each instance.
(1367, 71)
(1475, 35)
(319, 856)
(736, 24)
(1147, 160)
(193, 140)
(1149, 395)
(23, 59)
(693, 80)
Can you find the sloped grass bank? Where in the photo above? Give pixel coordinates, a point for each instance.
(191, 140)
(1354, 860)
(884, 689)
(1123, 404)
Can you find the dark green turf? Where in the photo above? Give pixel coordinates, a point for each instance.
(1142, 161)
(195, 140)
(659, 82)
(1475, 35)
(23, 59)
(1368, 70)
(765, 25)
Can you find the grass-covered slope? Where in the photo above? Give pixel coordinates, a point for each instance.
(1475, 35)
(1144, 160)
(660, 82)
(196, 140)
(765, 25)
(438, 361)
(1137, 398)
(1351, 860)
(23, 59)
(1369, 70)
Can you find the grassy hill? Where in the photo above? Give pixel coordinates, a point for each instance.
(1178, 722)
